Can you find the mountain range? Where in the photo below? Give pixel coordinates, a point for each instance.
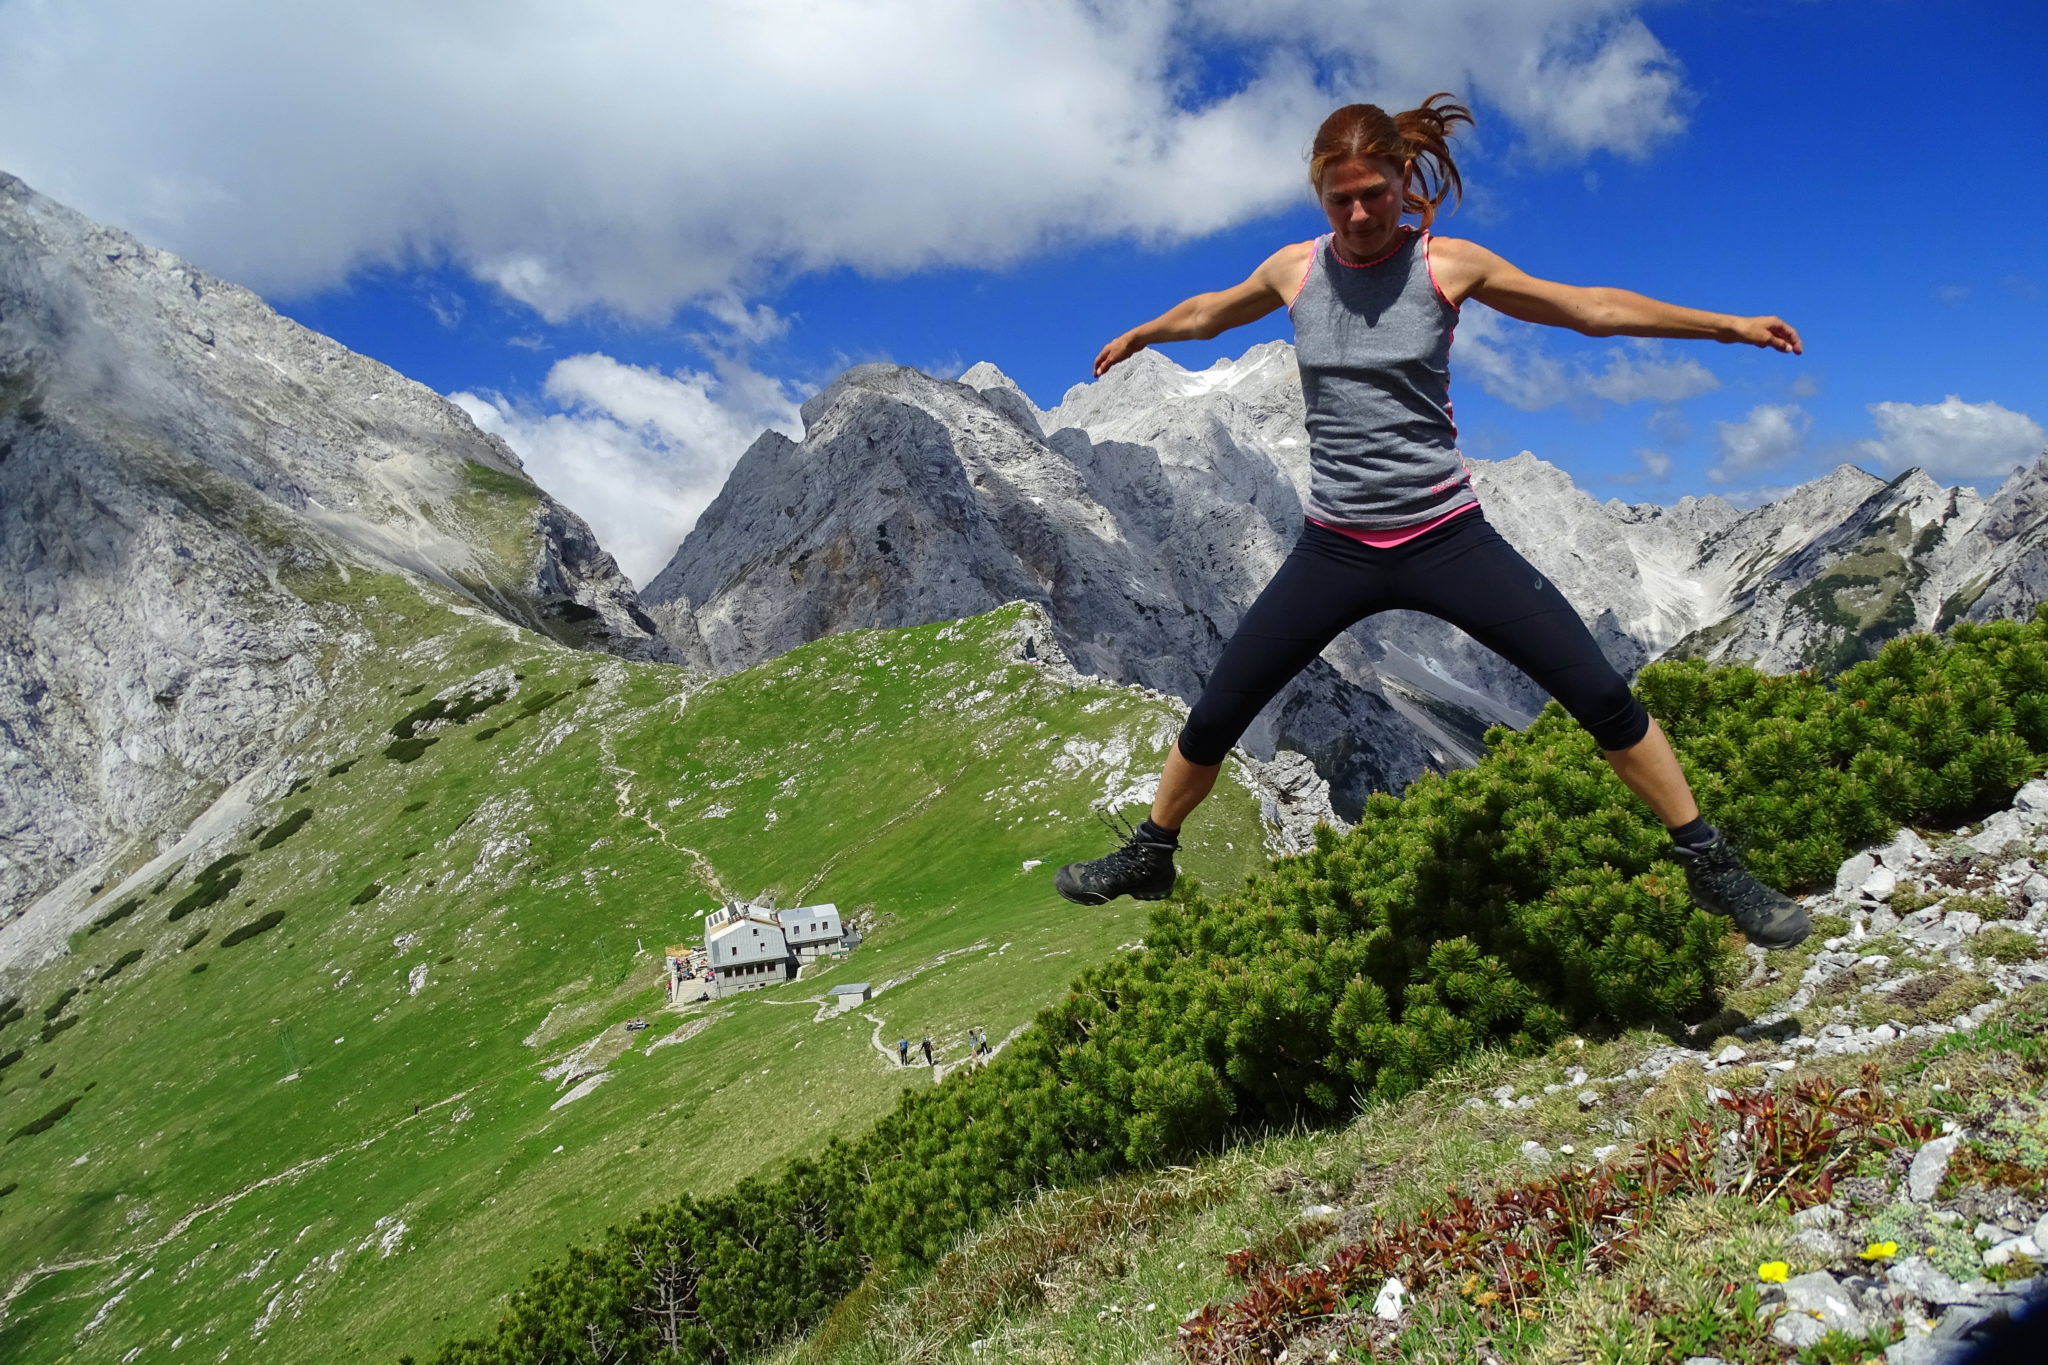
(1146, 511)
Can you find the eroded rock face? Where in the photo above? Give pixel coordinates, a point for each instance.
(1147, 510)
(186, 480)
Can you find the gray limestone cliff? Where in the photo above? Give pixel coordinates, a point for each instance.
(181, 469)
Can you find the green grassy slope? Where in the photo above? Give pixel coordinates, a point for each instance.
(339, 1138)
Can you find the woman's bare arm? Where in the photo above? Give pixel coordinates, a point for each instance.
(1467, 270)
(1271, 286)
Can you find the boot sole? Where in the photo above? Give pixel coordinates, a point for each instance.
(1097, 898)
(1769, 946)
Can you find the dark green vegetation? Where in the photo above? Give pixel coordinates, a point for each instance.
(285, 828)
(1495, 907)
(457, 710)
(208, 889)
(121, 963)
(115, 915)
(47, 1121)
(261, 925)
(406, 750)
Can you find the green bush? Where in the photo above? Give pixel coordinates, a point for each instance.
(47, 1121)
(1502, 905)
(11, 1010)
(8, 1059)
(406, 750)
(56, 1007)
(115, 915)
(2001, 943)
(338, 769)
(367, 894)
(458, 709)
(194, 941)
(198, 967)
(206, 891)
(261, 925)
(285, 828)
(122, 963)
(57, 1026)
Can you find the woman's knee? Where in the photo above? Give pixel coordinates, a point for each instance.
(1210, 732)
(1613, 716)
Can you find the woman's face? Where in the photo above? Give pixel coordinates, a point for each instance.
(1362, 198)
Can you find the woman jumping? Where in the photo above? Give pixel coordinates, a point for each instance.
(1392, 518)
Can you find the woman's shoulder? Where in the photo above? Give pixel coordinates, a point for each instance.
(1283, 271)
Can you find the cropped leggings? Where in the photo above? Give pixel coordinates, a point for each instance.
(1461, 572)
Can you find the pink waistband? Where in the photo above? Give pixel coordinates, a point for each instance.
(1399, 535)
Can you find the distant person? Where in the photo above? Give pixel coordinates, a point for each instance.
(1392, 521)
(928, 1052)
(903, 1052)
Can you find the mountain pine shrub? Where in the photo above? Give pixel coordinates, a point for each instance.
(1503, 905)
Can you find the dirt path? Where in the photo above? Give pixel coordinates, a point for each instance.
(622, 794)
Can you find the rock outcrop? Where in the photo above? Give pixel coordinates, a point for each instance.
(188, 483)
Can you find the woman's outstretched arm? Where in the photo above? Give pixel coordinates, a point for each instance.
(1467, 270)
(1271, 286)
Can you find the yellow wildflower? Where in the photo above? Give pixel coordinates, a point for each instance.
(1880, 1251)
(1773, 1272)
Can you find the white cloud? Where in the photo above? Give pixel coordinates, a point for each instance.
(1771, 434)
(1635, 375)
(1655, 463)
(1954, 440)
(1512, 361)
(635, 452)
(637, 155)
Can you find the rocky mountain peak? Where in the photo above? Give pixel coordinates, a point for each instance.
(189, 484)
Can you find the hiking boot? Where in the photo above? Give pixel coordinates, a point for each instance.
(1721, 885)
(1142, 869)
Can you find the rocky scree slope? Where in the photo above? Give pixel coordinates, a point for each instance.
(177, 465)
(1149, 507)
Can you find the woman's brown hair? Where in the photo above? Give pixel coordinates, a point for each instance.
(1421, 135)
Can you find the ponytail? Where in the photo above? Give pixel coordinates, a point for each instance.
(1420, 135)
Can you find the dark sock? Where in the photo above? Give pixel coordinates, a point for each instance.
(1696, 835)
(1169, 837)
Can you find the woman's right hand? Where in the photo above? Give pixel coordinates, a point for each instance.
(1118, 351)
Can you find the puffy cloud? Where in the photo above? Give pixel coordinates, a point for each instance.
(1954, 440)
(1771, 434)
(1512, 361)
(635, 452)
(1655, 463)
(1635, 375)
(637, 155)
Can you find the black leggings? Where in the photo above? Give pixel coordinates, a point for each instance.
(1461, 572)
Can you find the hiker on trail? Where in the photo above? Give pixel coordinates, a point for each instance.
(928, 1052)
(903, 1052)
(1392, 520)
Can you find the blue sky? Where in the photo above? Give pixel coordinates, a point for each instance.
(630, 235)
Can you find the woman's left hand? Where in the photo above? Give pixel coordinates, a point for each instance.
(1774, 334)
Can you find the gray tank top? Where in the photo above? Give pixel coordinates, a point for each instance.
(1374, 345)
